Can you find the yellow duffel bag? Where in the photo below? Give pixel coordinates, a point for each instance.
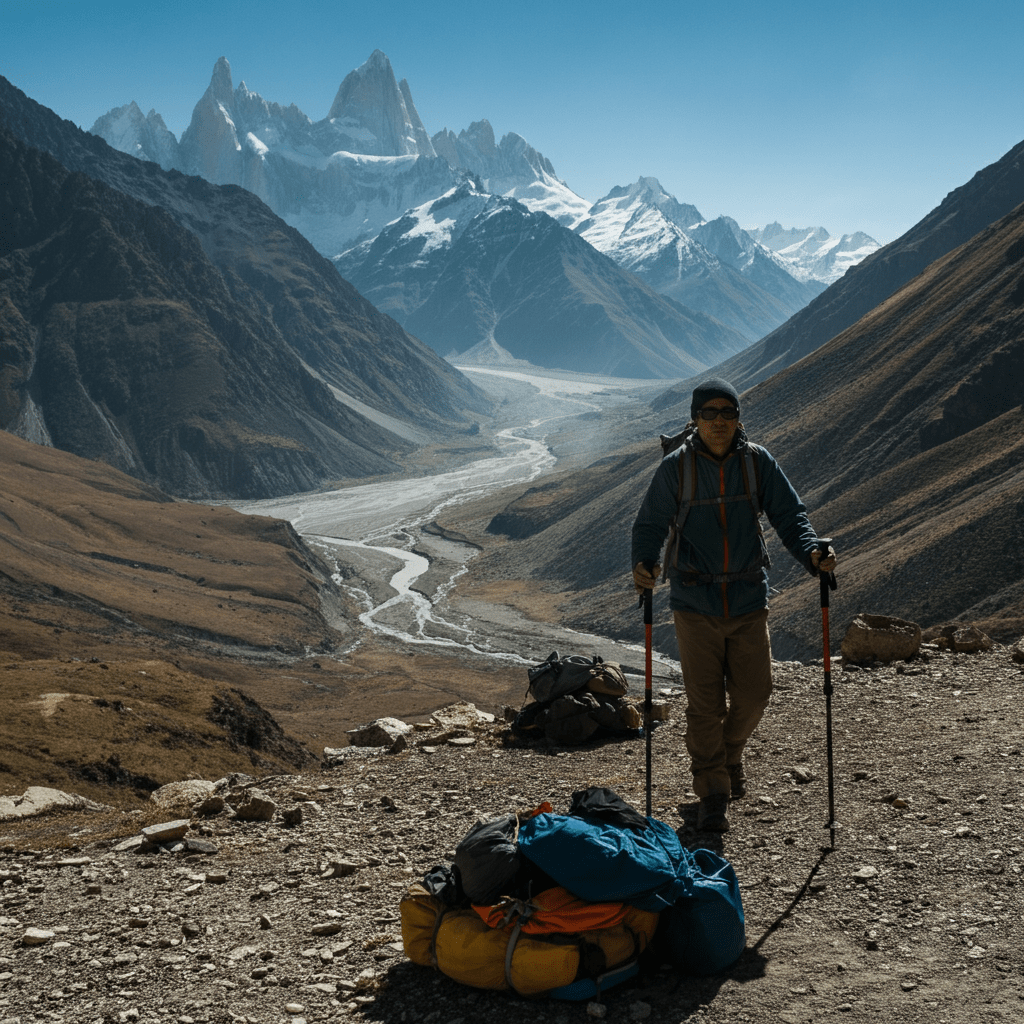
(519, 955)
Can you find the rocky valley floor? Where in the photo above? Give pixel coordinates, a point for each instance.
(916, 915)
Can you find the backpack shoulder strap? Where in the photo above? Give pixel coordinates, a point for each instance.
(751, 482)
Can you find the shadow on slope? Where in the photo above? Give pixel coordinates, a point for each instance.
(991, 194)
(905, 437)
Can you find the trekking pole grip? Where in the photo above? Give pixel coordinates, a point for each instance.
(827, 580)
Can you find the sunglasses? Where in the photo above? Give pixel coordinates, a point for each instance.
(730, 412)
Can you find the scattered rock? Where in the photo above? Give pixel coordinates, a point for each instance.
(291, 816)
(381, 733)
(462, 715)
(166, 832)
(36, 936)
(956, 636)
(880, 638)
(327, 928)
(175, 794)
(41, 800)
(255, 806)
(209, 805)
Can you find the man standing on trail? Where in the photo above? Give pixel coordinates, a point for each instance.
(717, 566)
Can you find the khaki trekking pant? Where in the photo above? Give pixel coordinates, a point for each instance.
(721, 657)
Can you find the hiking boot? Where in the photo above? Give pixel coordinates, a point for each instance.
(737, 780)
(712, 814)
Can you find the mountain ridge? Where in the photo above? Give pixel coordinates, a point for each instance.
(274, 278)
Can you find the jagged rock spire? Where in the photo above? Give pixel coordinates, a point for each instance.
(374, 115)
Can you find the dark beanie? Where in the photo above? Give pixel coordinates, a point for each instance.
(713, 387)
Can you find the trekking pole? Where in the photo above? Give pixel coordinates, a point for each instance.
(827, 582)
(647, 603)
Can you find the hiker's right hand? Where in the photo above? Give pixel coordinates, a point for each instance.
(644, 580)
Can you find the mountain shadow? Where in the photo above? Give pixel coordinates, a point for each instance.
(905, 437)
(472, 268)
(235, 363)
(992, 193)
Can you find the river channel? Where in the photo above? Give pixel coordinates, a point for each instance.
(374, 533)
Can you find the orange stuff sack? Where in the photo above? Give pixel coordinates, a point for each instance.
(553, 910)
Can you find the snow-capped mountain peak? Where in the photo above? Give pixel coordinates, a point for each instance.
(146, 137)
(814, 254)
(511, 168)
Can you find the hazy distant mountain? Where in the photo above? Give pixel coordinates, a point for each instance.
(904, 435)
(512, 168)
(343, 178)
(711, 267)
(812, 253)
(473, 267)
(226, 358)
(990, 194)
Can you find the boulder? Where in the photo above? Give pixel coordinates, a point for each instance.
(384, 732)
(880, 638)
(165, 832)
(462, 715)
(40, 800)
(255, 806)
(958, 636)
(184, 793)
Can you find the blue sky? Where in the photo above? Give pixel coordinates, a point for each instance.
(854, 116)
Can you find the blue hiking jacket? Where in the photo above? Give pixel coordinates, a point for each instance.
(720, 539)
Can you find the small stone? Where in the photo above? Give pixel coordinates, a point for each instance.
(327, 928)
(200, 846)
(639, 1010)
(255, 806)
(293, 1007)
(265, 922)
(36, 936)
(291, 816)
(865, 874)
(598, 1010)
(190, 929)
(166, 832)
(462, 741)
(339, 869)
(210, 805)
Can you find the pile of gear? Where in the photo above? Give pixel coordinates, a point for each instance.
(565, 905)
(576, 699)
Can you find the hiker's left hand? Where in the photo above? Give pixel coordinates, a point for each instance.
(826, 564)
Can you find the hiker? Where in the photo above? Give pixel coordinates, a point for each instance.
(717, 567)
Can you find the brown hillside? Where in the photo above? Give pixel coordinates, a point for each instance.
(112, 592)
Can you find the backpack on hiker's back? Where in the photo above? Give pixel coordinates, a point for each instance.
(687, 497)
